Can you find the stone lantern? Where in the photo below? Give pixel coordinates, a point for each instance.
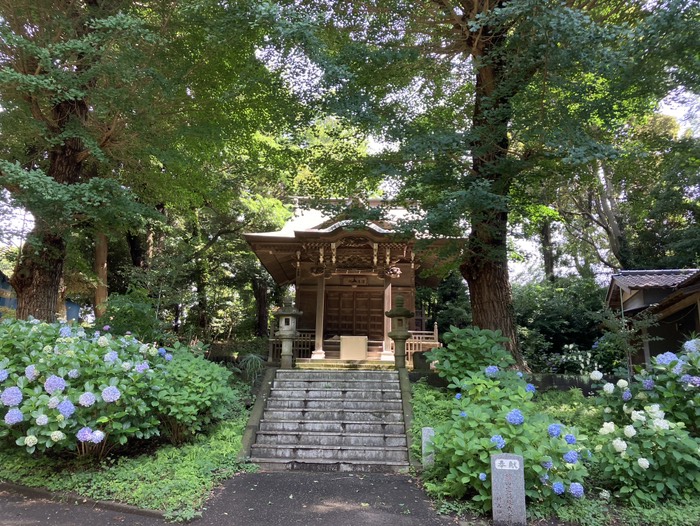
(286, 331)
(399, 331)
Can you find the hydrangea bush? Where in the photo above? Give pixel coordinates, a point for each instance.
(63, 387)
(647, 446)
(494, 413)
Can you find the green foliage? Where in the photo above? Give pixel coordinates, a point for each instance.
(571, 408)
(431, 407)
(624, 335)
(483, 414)
(469, 349)
(671, 513)
(133, 313)
(62, 384)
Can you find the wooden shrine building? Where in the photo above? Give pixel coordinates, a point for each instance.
(345, 278)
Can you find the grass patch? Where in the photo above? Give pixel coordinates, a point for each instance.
(571, 408)
(175, 480)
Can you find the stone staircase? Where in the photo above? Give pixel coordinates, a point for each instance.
(333, 421)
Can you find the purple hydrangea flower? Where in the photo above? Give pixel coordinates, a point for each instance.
(73, 373)
(530, 388)
(679, 367)
(162, 351)
(648, 384)
(106, 328)
(142, 367)
(515, 417)
(685, 379)
(13, 416)
(65, 332)
(491, 370)
(168, 357)
(66, 408)
(86, 399)
(96, 335)
(97, 436)
(54, 384)
(554, 430)
(3, 375)
(11, 396)
(570, 457)
(666, 358)
(463, 414)
(42, 420)
(570, 439)
(627, 395)
(53, 402)
(111, 357)
(547, 464)
(458, 396)
(576, 490)
(558, 488)
(694, 381)
(31, 373)
(498, 441)
(111, 394)
(84, 435)
(482, 477)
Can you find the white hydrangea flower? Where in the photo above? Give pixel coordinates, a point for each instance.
(30, 441)
(622, 384)
(629, 431)
(608, 388)
(153, 351)
(596, 376)
(643, 463)
(126, 366)
(608, 427)
(598, 448)
(659, 423)
(607, 410)
(102, 341)
(604, 495)
(47, 349)
(627, 410)
(619, 445)
(143, 349)
(654, 411)
(641, 395)
(57, 436)
(638, 416)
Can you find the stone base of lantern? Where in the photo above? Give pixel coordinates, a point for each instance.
(386, 356)
(318, 354)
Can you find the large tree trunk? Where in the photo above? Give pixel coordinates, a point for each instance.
(485, 264)
(38, 274)
(547, 246)
(262, 305)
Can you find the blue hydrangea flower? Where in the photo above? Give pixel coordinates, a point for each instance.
(571, 457)
(685, 379)
(570, 439)
(13, 416)
(491, 370)
(576, 490)
(498, 441)
(648, 384)
(84, 435)
(694, 381)
(3, 375)
(111, 357)
(666, 358)
(458, 396)
(544, 478)
(142, 367)
(679, 367)
(627, 395)
(97, 436)
(53, 402)
(554, 430)
(482, 476)
(54, 384)
(42, 420)
(547, 464)
(111, 394)
(168, 357)
(558, 488)
(65, 332)
(463, 414)
(73, 373)
(31, 373)
(86, 399)
(530, 388)
(66, 408)
(162, 351)
(519, 374)
(515, 417)
(11, 396)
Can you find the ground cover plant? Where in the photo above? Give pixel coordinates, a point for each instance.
(643, 455)
(79, 406)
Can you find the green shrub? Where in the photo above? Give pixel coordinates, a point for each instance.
(470, 349)
(63, 388)
(133, 313)
(431, 408)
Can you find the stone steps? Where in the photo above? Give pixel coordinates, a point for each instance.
(333, 420)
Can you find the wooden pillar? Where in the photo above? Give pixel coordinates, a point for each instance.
(319, 353)
(387, 354)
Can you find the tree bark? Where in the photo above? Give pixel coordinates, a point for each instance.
(547, 246)
(101, 290)
(262, 305)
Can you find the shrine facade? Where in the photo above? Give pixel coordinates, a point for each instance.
(345, 279)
